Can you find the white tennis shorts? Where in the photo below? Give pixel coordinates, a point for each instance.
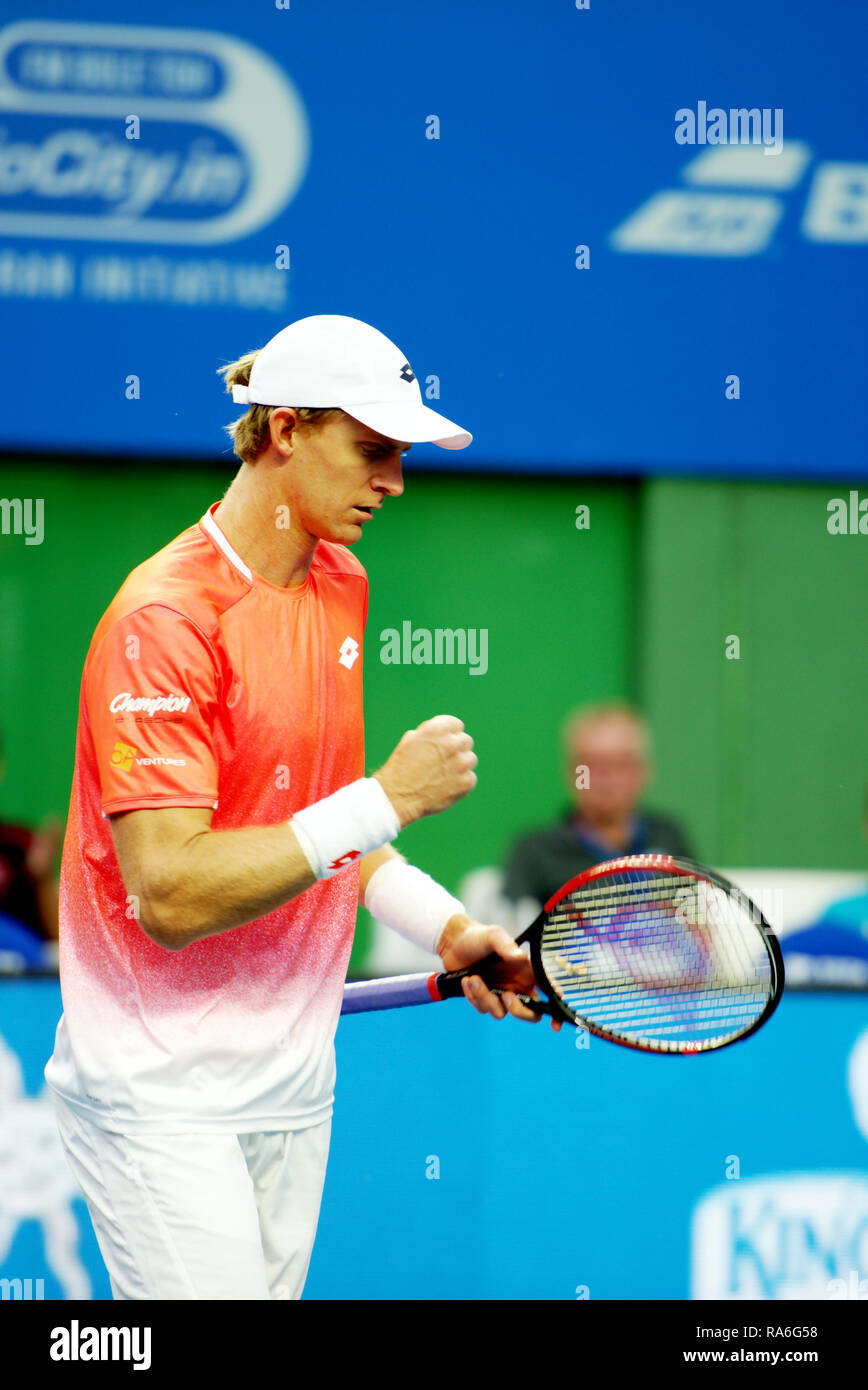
(200, 1216)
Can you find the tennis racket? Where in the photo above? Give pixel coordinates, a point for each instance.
(648, 951)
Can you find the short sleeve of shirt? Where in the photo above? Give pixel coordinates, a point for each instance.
(151, 688)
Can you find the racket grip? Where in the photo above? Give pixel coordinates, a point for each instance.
(448, 985)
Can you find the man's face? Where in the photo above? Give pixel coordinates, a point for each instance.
(339, 473)
(612, 750)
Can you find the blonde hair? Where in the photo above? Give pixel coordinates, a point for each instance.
(250, 433)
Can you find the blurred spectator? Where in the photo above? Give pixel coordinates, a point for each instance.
(28, 880)
(607, 768)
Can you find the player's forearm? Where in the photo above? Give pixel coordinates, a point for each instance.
(410, 902)
(369, 866)
(221, 879)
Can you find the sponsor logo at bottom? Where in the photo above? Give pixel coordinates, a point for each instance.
(797, 1235)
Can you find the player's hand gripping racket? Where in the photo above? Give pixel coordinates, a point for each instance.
(647, 951)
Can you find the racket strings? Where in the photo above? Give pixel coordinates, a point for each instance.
(662, 960)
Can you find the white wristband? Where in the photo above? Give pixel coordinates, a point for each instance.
(410, 902)
(342, 827)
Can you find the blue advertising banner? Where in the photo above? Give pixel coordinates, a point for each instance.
(524, 1165)
(607, 237)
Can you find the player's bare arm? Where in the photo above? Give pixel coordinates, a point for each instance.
(191, 881)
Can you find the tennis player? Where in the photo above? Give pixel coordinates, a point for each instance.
(222, 832)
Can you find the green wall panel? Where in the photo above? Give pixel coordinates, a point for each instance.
(767, 755)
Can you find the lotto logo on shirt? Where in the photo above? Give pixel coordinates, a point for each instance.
(122, 755)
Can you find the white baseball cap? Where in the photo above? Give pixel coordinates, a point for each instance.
(332, 360)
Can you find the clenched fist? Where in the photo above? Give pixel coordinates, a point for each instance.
(431, 768)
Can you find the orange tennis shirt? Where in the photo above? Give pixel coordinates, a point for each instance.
(207, 686)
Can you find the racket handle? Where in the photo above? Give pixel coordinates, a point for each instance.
(394, 992)
(449, 983)
(403, 991)
(448, 986)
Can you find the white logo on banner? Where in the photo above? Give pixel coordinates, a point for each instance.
(223, 142)
(780, 1237)
(788, 1235)
(730, 208)
(36, 1183)
(857, 1083)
